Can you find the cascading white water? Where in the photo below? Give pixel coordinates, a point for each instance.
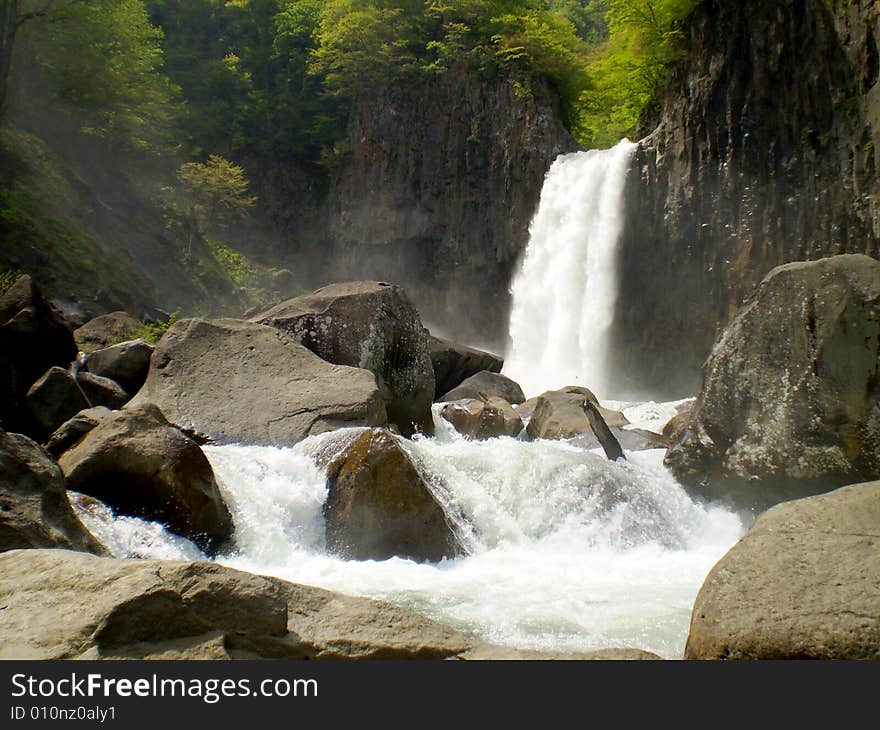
(564, 293)
(567, 550)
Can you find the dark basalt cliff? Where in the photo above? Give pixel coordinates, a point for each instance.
(441, 186)
(765, 150)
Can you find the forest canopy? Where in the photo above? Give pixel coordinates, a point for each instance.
(258, 78)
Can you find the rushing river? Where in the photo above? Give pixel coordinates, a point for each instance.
(567, 550)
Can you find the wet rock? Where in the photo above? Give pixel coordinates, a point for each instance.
(801, 584)
(379, 505)
(485, 385)
(790, 404)
(236, 381)
(139, 464)
(559, 414)
(454, 363)
(369, 325)
(480, 420)
(34, 509)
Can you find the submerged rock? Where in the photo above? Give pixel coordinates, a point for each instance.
(34, 337)
(369, 325)
(34, 509)
(105, 330)
(801, 584)
(482, 420)
(486, 385)
(453, 363)
(140, 465)
(236, 381)
(379, 505)
(790, 404)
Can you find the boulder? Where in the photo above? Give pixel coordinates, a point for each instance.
(675, 427)
(64, 605)
(54, 399)
(102, 391)
(790, 404)
(236, 381)
(559, 414)
(106, 330)
(485, 385)
(140, 465)
(369, 325)
(379, 505)
(34, 509)
(482, 420)
(454, 363)
(73, 430)
(127, 363)
(802, 584)
(33, 337)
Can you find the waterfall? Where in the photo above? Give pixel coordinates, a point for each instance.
(565, 549)
(565, 290)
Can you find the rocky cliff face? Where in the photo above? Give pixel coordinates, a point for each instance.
(439, 192)
(766, 150)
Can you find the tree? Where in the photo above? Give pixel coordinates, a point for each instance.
(629, 70)
(104, 58)
(13, 15)
(218, 193)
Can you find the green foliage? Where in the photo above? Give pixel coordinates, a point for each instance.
(629, 70)
(152, 331)
(8, 278)
(218, 189)
(105, 59)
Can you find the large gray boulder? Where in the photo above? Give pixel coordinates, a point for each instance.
(106, 330)
(379, 505)
(802, 584)
(34, 509)
(790, 404)
(34, 336)
(369, 325)
(64, 605)
(453, 363)
(559, 414)
(480, 420)
(485, 385)
(236, 381)
(127, 363)
(139, 464)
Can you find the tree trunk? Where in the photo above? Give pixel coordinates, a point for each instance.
(9, 22)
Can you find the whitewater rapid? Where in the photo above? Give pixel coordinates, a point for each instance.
(566, 550)
(565, 291)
